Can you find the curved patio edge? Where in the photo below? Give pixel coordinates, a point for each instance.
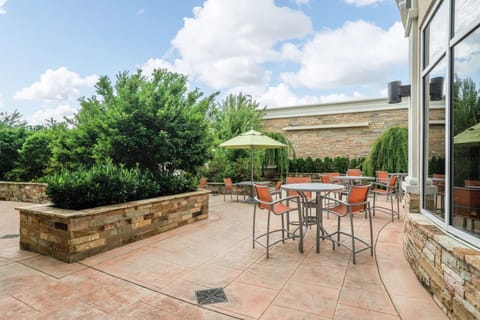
(410, 299)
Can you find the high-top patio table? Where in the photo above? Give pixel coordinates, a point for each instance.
(351, 179)
(251, 198)
(318, 189)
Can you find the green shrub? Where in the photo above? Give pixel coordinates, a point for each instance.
(109, 184)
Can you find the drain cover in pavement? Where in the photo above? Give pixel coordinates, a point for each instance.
(9, 236)
(211, 296)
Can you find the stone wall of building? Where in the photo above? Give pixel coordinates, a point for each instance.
(70, 235)
(23, 192)
(447, 268)
(346, 129)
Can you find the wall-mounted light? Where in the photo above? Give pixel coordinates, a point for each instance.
(396, 91)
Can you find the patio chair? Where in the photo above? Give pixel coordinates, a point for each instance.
(356, 202)
(277, 190)
(354, 172)
(279, 208)
(231, 189)
(203, 183)
(381, 176)
(389, 191)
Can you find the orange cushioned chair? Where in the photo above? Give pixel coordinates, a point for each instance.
(389, 190)
(229, 188)
(278, 208)
(357, 201)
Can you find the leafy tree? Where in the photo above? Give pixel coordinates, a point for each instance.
(12, 120)
(34, 157)
(389, 152)
(234, 115)
(466, 104)
(150, 122)
(11, 140)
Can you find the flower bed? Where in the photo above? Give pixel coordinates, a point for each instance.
(71, 235)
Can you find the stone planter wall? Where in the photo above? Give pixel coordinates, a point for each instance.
(70, 235)
(23, 191)
(447, 268)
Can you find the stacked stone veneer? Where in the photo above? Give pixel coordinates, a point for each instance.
(23, 191)
(70, 235)
(447, 268)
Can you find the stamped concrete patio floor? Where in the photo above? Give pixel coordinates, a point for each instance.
(157, 278)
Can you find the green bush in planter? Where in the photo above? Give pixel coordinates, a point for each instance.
(109, 184)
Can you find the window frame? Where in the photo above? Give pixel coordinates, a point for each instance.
(452, 41)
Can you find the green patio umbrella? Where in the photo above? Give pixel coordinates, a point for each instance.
(470, 136)
(252, 140)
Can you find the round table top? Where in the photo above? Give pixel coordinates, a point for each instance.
(312, 187)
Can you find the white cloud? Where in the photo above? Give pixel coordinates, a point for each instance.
(57, 113)
(2, 3)
(282, 96)
(2, 101)
(300, 2)
(226, 41)
(57, 85)
(362, 3)
(359, 53)
(291, 52)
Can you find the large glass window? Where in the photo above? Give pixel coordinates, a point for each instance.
(466, 13)
(434, 133)
(466, 134)
(451, 117)
(435, 35)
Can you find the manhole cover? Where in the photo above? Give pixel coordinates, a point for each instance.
(9, 236)
(211, 296)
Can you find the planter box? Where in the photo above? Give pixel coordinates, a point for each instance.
(71, 235)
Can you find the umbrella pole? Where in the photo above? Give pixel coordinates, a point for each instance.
(251, 166)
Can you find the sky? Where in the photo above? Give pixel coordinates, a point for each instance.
(280, 52)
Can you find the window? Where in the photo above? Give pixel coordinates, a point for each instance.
(434, 145)
(466, 134)
(451, 118)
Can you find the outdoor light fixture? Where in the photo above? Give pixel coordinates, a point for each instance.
(396, 91)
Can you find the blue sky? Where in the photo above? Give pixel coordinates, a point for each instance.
(282, 53)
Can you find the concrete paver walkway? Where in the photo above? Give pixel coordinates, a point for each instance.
(156, 278)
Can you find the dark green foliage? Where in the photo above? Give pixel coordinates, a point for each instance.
(328, 165)
(318, 165)
(309, 165)
(356, 163)
(340, 164)
(389, 152)
(34, 157)
(108, 184)
(300, 165)
(466, 104)
(150, 122)
(11, 140)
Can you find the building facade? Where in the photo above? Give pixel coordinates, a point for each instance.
(342, 129)
(442, 229)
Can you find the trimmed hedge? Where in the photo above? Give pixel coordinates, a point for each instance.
(109, 184)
